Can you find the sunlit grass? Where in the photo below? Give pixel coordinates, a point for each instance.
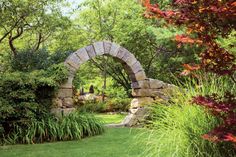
(115, 142)
(110, 118)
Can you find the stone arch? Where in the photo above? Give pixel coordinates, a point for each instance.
(131, 64)
(144, 90)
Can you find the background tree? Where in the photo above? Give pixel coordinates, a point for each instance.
(29, 23)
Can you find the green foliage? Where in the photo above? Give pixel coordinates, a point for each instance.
(71, 127)
(29, 23)
(28, 60)
(118, 105)
(109, 105)
(27, 96)
(89, 74)
(178, 125)
(92, 107)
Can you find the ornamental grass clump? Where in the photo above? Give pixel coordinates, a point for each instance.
(71, 127)
(178, 127)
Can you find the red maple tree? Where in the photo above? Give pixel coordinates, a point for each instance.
(205, 21)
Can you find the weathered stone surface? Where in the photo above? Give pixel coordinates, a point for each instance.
(99, 49)
(130, 120)
(70, 67)
(73, 60)
(144, 84)
(68, 102)
(141, 92)
(90, 50)
(142, 101)
(82, 54)
(136, 118)
(139, 76)
(135, 85)
(65, 93)
(131, 60)
(156, 83)
(107, 47)
(150, 93)
(136, 67)
(121, 52)
(114, 49)
(57, 102)
(68, 83)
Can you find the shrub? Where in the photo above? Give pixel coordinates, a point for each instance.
(93, 106)
(72, 127)
(110, 105)
(25, 96)
(28, 60)
(118, 105)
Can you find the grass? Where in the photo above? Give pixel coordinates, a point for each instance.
(177, 125)
(115, 142)
(50, 129)
(111, 118)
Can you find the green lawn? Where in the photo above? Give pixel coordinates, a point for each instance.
(115, 142)
(109, 119)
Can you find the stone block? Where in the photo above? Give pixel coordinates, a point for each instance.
(141, 92)
(90, 50)
(126, 56)
(130, 120)
(139, 76)
(68, 102)
(107, 47)
(57, 102)
(70, 67)
(131, 60)
(156, 83)
(144, 84)
(140, 102)
(82, 54)
(136, 67)
(73, 60)
(68, 83)
(135, 85)
(65, 93)
(114, 49)
(121, 52)
(98, 47)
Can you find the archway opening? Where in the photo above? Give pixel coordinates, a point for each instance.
(102, 86)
